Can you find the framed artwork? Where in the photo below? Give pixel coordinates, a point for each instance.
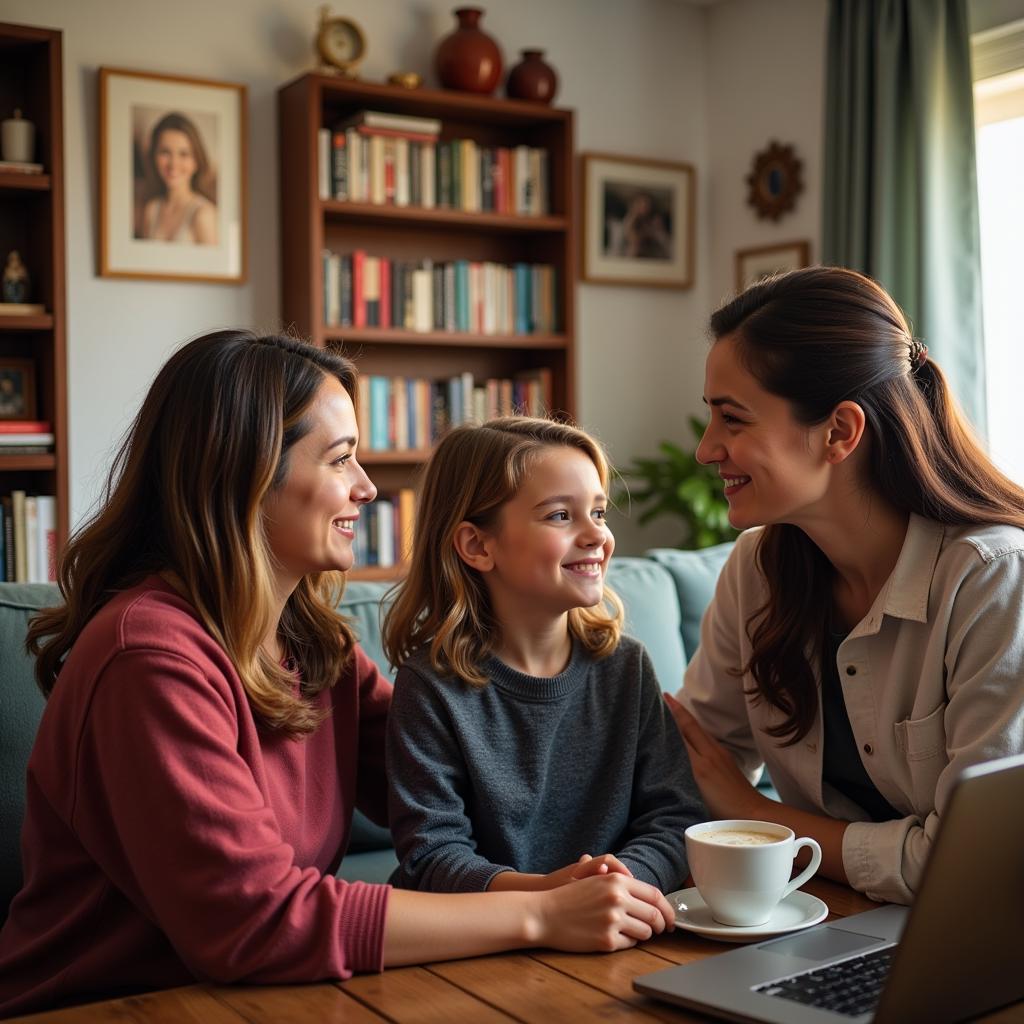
(753, 265)
(638, 221)
(172, 177)
(17, 389)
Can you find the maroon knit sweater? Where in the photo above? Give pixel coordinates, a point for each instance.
(169, 838)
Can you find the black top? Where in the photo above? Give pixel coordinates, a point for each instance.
(842, 767)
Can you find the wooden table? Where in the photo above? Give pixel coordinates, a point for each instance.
(539, 986)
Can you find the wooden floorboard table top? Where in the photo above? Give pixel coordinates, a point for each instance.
(532, 987)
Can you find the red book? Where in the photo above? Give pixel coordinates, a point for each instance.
(389, 171)
(390, 133)
(501, 181)
(385, 292)
(25, 427)
(358, 293)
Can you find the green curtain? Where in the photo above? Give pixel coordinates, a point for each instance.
(900, 188)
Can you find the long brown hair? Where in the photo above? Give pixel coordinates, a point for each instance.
(443, 605)
(822, 336)
(185, 496)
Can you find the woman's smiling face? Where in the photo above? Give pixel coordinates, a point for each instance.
(174, 159)
(312, 517)
(774, 468)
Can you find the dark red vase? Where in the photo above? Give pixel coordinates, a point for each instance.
(469, 59)
(531, 79)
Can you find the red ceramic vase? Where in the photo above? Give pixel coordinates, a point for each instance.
(469, 59)
(532, 79)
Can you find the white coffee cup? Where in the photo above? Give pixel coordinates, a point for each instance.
(742, 868)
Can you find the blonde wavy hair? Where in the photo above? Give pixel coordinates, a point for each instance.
(443, 605)
(185, 497)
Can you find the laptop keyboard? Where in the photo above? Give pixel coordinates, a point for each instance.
(850, 987)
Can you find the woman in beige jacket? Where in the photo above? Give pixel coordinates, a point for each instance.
(866, 639)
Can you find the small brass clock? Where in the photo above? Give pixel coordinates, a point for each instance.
(340, 43)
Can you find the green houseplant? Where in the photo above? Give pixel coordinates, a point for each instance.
(676, 484)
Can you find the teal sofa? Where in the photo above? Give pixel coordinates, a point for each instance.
(665, 594)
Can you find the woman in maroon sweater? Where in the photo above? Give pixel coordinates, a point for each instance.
(212, 724)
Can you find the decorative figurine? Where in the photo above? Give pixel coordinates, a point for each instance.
(16, 279)
(405, 79)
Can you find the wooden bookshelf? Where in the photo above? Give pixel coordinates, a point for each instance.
(32, 221)
(310, 224)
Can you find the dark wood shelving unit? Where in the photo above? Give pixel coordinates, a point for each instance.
(32, 221)
(309, 225)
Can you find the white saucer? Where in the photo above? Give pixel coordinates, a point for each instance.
(798, 910)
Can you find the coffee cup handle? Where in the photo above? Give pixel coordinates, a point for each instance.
(807, 871)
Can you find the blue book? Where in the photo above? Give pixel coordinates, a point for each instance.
(415, 441)
(522, 293)
(462, 295)
(380, 399)
(455, 400)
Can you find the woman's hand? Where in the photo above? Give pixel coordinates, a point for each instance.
(586, 867)
(726, 791)
(601, 914)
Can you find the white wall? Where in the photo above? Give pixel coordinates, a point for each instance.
(634, 72)
(987, 14)
(766, 81)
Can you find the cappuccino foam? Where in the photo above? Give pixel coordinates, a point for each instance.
(738, 837)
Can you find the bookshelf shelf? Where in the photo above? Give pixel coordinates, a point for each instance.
(413, 236)
(12, 181)
(32, 221)
(443, 339)
(400, 457)
(345, 210)
(26, 463)
(39, 322)
(382, 573)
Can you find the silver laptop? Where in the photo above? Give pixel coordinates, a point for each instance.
(958, 952)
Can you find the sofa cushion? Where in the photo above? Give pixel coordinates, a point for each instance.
(652, 614)
(21, 707)
(362, 605)
(695, 574)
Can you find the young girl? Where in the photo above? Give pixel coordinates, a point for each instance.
(527, 735)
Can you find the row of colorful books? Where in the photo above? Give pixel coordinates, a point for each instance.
(395, 160)
(25, 437)
(462, 295)
(28, 538)
(413, 413)
(384, 531)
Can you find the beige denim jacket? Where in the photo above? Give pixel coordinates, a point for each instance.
(933, 679)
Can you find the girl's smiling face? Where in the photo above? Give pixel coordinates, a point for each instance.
(774, 468)
(550, 547)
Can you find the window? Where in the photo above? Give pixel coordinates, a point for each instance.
(999, 119)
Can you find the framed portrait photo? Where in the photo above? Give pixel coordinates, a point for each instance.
(17, 389)
(172, 177)
(638, 221)
(753, 265)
